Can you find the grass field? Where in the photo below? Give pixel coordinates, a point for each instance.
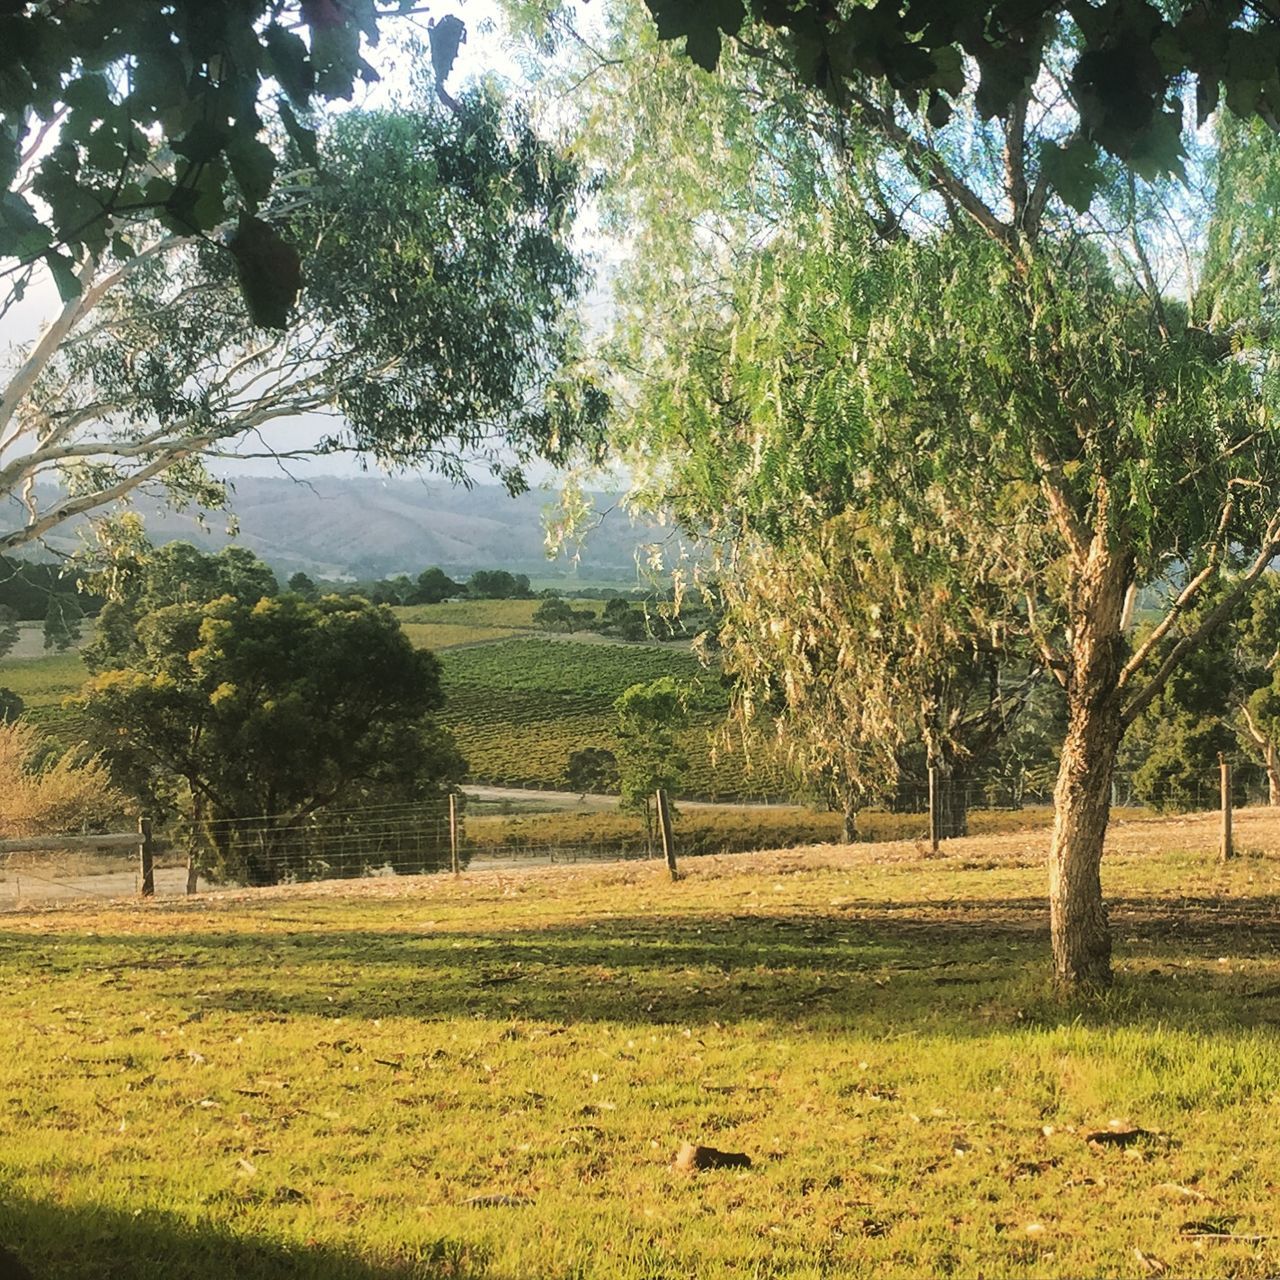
(489, 1078)
(44, 682)
(725, 829)
(449, 635)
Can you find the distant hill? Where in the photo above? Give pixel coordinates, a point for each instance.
(370, 526)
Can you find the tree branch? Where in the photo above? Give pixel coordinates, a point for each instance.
(1185, 598)
(1269, 550)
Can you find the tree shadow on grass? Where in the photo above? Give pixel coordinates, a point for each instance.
(959, 968)
(92, 1242)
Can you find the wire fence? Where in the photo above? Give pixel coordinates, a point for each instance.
(421, 837)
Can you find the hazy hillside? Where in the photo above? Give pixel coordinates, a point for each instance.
(371, 525)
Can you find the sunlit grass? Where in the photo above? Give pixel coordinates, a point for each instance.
(44, 682)
(308, 1083)
(447, 635)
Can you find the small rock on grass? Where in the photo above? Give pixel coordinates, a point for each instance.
(692, 1157)
(495, 1202)
(1116, 1134)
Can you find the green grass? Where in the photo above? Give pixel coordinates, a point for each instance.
(725, 829)
(295, 1084)
(44, 682)
(448, 635)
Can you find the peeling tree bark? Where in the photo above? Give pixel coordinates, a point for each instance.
(1082, 796)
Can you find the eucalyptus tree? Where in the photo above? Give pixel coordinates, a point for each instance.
(435, 326)
(113, 116)
(995, 320)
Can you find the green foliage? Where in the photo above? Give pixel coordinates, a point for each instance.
(437, 324)
(554, 614)
(455, 325)
(591, 769)
(144, 579)
(649, 756)
(1122, 65)
(113, 80)
(302, 585)
(9, 632)
(498, 584)
(229, 711)
(25, 587)
(11, 705)
(434, 586)
(62, 623)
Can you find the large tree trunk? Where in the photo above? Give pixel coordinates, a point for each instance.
(1082, 796)
(1272, 760)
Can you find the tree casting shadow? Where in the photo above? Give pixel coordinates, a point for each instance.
(924, 965)
(54, 1242)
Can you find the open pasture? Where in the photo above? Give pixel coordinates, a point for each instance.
(489, 1077)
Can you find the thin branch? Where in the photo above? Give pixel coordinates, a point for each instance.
(1268, 552)
(1185, 598)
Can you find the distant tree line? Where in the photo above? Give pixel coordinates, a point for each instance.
(648, 618)
(431, 586)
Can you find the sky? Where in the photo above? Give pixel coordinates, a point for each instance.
(487, 51)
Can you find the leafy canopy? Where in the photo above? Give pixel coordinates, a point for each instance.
(1125, 67)
(280, 707)
(180, 111)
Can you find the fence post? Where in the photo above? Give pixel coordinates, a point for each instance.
(453, 832)
(935, 818)
(1224, 768)
(664, 826)
(148, 857)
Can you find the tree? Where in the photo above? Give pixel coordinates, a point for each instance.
(280, 708)
(91, 89)
(9, 633)
(1122, 70)
(435, 325)
(649, 755)
(11, 706)
(302, 585)
(62, 623)
(964, 322)
(435, 587)
(849, 649)
(1258, 688)
(1222, 700)
(591, 769)
(26, 585)
(141, 579)
(498, 584)
(554, 615)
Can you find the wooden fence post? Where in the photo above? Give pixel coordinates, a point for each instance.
(935, 817)
(664, 826)
(148, 857)
(1224, 768)
(453, 833)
